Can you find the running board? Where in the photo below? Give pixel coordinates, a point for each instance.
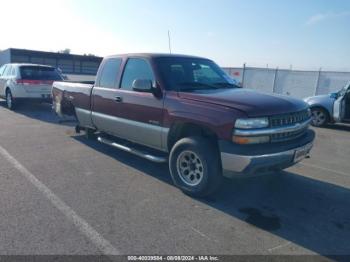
(133, 151)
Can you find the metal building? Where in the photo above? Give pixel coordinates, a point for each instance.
(75, 67)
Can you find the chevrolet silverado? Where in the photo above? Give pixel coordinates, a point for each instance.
(186, 111)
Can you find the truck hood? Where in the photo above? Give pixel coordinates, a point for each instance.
(253, 103)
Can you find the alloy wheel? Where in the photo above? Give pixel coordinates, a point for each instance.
(190, 168)
(318, 117)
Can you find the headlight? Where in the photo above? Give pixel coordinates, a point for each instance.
(252, 123)
(309, 113)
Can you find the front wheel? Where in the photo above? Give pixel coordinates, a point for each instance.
(195, 167)
(319, 117)
(10, 103)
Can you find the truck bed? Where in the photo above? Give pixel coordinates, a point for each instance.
(69, 95)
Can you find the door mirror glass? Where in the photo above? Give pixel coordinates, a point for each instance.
(142, 85)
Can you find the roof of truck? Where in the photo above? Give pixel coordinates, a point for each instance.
(154, 55)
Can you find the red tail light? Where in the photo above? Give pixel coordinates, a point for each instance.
(34, 82)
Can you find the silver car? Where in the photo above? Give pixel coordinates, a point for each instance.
(331, 108)
(23, 82)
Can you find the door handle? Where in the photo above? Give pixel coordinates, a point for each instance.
(118, 99)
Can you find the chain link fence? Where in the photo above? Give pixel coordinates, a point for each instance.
(295, 83)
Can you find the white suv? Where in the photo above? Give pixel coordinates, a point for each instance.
(21, 82)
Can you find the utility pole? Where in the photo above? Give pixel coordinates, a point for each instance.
(318, 81)
(243, 74)
(169, 40)
(274, 81)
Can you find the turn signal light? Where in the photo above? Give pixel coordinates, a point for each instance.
(243, 140)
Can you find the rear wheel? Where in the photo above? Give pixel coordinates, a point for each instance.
(195, 168)
(320, 117)
(10, 103)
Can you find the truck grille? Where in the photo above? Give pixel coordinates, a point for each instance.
(287, 120)
(287, 136)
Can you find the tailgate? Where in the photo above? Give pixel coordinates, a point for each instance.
(67, 95)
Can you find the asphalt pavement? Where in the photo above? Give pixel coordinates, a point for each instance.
(63, 194)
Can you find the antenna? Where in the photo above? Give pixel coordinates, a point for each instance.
(169, 40)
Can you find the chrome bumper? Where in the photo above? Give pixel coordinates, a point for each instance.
(246, 165)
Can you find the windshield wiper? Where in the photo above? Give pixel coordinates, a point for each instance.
(195, 86)
(226, 84)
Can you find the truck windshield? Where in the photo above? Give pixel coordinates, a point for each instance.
(39, 73)
(190, 74)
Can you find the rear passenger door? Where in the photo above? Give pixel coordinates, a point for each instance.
(103, 96)
(339, 106)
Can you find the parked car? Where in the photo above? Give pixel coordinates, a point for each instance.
(187, 111)
(331, 108)
(24, 82)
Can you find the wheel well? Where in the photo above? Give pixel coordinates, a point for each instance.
(5, 93)
(181, 130)
(324, 109)
(67, 107)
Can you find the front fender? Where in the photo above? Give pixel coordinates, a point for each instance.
(325, 102)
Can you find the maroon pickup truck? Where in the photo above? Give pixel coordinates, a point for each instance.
(187, 111)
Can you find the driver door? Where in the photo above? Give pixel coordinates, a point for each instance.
(339, 107)
(2, 80)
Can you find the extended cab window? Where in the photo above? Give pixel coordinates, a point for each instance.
(110, 72)
(136, 68)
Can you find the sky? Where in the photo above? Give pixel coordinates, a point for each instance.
(304, 34)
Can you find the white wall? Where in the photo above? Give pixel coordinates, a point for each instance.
(298, 84)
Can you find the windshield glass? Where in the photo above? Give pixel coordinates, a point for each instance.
(40, 73)
(186, 74)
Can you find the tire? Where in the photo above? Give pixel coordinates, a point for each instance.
(90, 134)
(195, 166)
(320, 117)
(10, 103)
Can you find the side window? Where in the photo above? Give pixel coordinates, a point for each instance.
(13, 71)
(136, 68)
(2, 69)
(8, 70)
(110, 72)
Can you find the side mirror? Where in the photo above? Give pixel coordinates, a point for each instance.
(142, 85)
